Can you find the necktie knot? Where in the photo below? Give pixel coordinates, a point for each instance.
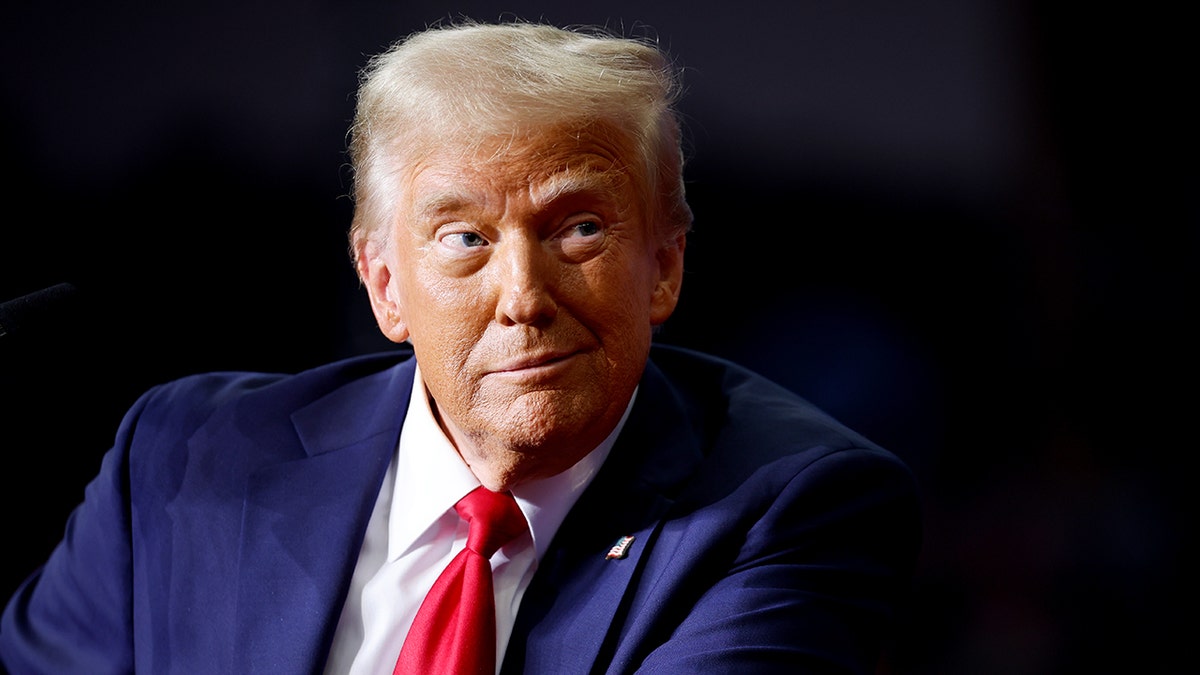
(455, 628)
(494, 519)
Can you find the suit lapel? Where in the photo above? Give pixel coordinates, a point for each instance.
(577, 599)
(304, 520)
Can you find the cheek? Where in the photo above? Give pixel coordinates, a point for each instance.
(616, 303)
(450, 321)
(445, 302)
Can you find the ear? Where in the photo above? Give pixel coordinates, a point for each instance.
(374, 268)
(670, 279)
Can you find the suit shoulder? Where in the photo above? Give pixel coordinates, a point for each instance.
(732, 399)
(743, 424)
(189, 401)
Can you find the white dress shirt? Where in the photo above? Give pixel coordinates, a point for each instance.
(414, 532)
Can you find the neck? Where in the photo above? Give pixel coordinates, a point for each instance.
(500, 466)
(503, 459)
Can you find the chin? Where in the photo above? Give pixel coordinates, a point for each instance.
(550, 423)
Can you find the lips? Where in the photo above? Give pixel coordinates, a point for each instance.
(529, 362)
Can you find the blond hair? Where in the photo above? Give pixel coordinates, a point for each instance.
(476, 81)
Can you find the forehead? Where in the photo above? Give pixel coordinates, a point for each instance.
(545, 164)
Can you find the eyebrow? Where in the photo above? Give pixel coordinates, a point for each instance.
(440, 202)
(566, 183)
(571, 182)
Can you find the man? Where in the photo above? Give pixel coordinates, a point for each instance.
(520, 222)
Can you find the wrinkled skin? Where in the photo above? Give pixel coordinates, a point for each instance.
(528, 276)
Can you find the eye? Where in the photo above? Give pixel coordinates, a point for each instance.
(464, 239)
(587, 228)
(581, 240)
(582, 228)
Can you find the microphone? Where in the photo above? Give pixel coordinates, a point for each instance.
(23, 314)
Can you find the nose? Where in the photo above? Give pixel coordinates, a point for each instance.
(526, 279)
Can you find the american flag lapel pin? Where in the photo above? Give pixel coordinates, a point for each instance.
(620, 549)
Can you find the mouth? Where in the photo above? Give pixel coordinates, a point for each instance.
(535, 362)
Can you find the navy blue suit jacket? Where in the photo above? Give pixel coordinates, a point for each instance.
(222, 530)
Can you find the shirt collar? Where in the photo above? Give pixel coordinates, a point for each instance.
(545, 502)
(431, 477)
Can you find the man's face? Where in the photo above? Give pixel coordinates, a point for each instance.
(527, 278)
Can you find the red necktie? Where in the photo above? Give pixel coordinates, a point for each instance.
(454, 632)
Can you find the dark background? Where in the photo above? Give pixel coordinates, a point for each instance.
(966, 227)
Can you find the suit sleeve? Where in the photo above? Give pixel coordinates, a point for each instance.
(816, 581)
(74, 614)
